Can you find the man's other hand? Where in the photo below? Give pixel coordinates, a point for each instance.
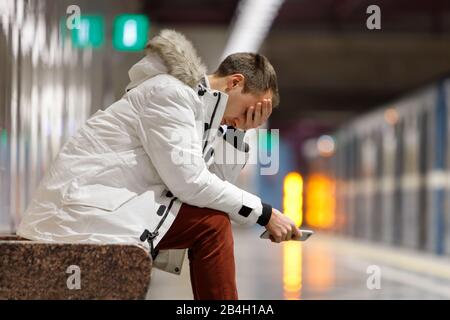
(281, 227)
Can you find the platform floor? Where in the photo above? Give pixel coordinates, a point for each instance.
(324, 267)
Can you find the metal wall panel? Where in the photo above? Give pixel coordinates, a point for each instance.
(47, 90)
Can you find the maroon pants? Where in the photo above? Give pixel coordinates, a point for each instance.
(207, 235)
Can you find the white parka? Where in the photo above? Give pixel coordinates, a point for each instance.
(123, 176)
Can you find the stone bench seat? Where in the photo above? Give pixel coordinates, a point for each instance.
(43, 270)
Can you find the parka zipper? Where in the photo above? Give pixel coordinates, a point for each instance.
(212, 118)
(150, 236)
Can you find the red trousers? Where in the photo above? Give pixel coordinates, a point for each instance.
(207, 235)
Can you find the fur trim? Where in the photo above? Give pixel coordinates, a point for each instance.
(179, 56)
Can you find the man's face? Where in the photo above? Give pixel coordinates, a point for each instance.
(238, 104)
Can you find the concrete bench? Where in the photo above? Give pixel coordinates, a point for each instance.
(43, 270)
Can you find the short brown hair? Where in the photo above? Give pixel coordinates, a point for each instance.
(259, 74)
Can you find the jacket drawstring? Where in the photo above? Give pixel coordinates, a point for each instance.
(149, 236)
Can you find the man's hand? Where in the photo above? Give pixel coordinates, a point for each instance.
(256, 116)
(281, 227)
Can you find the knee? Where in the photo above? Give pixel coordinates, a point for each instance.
(216, 236)
(218, 224)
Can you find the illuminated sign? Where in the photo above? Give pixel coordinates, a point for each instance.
(89, 33)
(130, 32)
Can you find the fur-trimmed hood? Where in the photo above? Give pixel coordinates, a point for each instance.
(169, 52)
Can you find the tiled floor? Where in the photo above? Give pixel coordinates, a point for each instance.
(324, 267)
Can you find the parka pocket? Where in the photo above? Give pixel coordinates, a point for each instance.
(98, 196)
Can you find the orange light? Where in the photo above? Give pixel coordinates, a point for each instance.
(293, 197)
(320, 201)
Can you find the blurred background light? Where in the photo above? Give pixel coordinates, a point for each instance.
(252, 23)
(391, 116)
(293, 197)
(130, 32)
(326, 145)
(90, 34)
(4, 137)
(320, 201)
(292, 269)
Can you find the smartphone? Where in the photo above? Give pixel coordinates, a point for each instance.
(305, 235)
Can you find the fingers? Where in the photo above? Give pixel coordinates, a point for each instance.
(249, 119)
(258, 115)
(288, 233)
(284, 234)
(277, 237)
(297, 234)
(282, 228)
(266, 109)
(288, 236)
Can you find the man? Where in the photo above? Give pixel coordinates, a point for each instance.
(119, 178)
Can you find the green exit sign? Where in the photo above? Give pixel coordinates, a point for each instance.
(130, 32)
(89, 32)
